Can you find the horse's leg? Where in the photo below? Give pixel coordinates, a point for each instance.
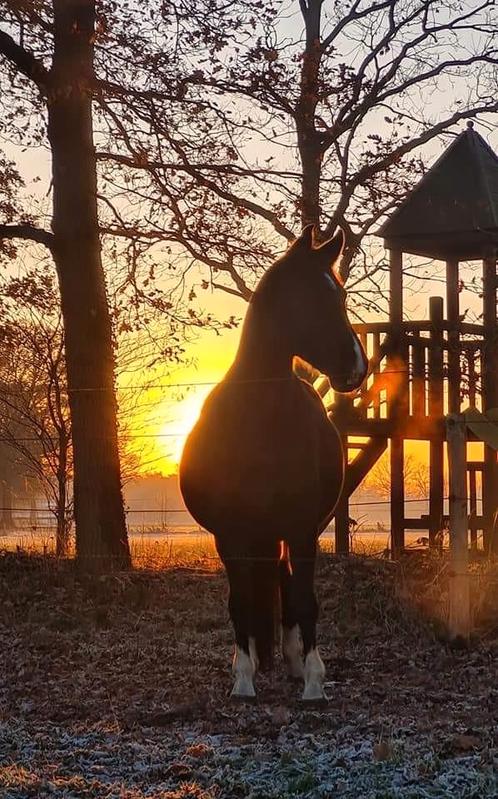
(302, 560)
(292, 649)
(244, 661)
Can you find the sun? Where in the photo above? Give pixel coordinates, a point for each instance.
(182, 417)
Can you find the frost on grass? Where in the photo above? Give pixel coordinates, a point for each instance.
(119, 688)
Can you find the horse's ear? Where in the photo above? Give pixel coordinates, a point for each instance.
(305, 240)
(306, 237)
(332, 249)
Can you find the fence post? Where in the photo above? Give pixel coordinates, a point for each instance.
(459, 589)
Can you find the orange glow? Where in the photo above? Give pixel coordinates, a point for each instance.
(169, 409)
(172, 435)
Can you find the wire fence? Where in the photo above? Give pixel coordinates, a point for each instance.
(130, 509)
(212, 383)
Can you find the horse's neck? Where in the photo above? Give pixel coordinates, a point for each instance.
(263, 350)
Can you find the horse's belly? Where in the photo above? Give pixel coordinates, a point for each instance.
(231, 481)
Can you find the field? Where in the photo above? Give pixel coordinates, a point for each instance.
(118, 687)
(151, 543)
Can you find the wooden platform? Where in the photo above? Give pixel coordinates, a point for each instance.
(419, 371)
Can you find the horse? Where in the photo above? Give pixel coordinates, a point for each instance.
(263, 467)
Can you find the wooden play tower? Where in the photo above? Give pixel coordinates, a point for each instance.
(422, 370)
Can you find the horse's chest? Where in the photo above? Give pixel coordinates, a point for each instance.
(267, 438)
(261, 457)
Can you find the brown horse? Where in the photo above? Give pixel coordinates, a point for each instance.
(263, 467)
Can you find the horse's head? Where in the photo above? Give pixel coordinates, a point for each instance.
(313, 308)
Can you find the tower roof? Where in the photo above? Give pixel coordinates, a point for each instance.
(453, 211)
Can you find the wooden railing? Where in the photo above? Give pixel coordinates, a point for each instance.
(422, 370)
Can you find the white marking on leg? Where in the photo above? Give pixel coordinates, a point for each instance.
(243, 669)
(253, 653)
(314, 675)
(292, 650)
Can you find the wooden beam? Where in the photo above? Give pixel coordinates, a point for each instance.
(363, 462)
(376, 357)
(453, 317)
(459, 618)
(341, 516)
(418, 376)
(397, 496)
(342, 526)
(489, 400)
(436, 410)
(396, 287)
(418, 429)
(473, 508)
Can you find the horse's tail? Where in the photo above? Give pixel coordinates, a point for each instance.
(265, 596)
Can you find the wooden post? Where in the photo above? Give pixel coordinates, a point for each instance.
(342, 512)
(396, 288)
(453, 316)
(418, 376)
(436, 411)
(395, 402)
(375, 358)
(473, 507)
(471, 368)
(397, 496)
(489, 400)
(342, 526)
(459, 617)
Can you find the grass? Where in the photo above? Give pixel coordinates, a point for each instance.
(421, 578)
(118, 686)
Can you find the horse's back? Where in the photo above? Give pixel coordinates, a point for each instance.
(263, 456)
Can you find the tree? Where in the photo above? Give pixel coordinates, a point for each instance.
(243, 126)
(416, 472)
(35, 428)
(62, 93)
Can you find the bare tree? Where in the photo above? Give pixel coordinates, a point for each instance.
(416, 473)
(34, 411)
(238, 127)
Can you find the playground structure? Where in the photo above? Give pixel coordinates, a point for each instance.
(420, 371)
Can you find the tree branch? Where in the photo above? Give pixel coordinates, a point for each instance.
(28, 233)
(24, 61)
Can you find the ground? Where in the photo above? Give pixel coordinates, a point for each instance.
(118, 687)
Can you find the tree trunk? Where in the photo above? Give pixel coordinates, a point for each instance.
(6, 517)
(308, 138)
(62, 535)
(101, 537)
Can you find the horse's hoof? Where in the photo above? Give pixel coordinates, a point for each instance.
(243, 689)
(314, 697)
(243, 671)
(236, 696)
(314, 674)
